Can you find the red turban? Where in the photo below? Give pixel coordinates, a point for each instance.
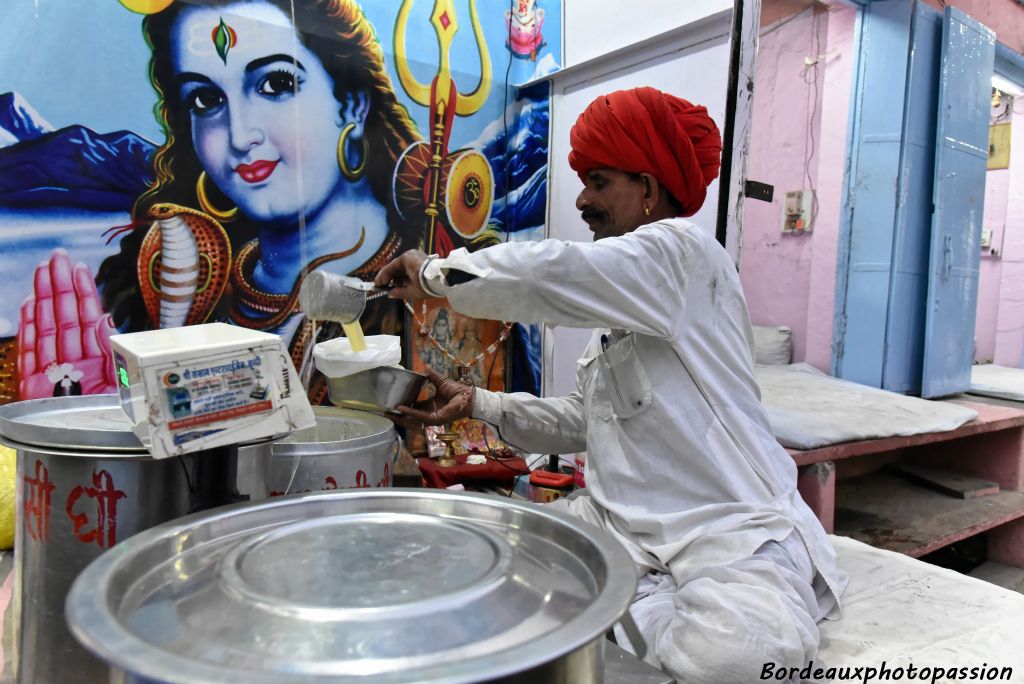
(647, 131)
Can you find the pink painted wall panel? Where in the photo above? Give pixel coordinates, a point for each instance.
(831, 178)
(988, 310)
(1009, 344)
(997, 192)
(790, 279)
(996, 189)
(775, 268)
(1002, 16)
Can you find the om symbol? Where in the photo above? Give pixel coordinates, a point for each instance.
(471, 192)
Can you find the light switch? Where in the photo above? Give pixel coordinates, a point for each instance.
(986, 238)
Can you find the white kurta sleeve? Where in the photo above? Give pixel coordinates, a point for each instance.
(634, 282)
(542, 426)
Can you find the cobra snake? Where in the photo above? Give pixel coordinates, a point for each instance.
(184, 264)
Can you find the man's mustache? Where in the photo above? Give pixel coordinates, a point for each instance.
(590, 214)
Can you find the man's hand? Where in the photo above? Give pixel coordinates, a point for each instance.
(403, 274)
(64, 336)
(452, 401)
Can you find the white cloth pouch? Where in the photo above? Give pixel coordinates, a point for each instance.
(335, 358)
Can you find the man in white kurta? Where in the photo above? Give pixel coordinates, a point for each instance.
(682, 467)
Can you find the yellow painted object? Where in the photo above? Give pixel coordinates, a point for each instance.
(354, 332)
(8, 465)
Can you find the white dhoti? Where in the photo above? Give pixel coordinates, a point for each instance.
(726, 622)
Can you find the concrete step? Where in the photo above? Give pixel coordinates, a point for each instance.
(1006, 576)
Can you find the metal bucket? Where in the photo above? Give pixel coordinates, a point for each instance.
(344, 450)
(84, 483)
(383, 585)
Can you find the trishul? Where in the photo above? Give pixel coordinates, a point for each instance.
(441, 95)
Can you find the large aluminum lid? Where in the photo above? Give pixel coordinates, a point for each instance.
(395, 585)
(90, 422)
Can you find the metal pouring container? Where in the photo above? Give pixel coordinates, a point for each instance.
(84, 483)
(378, 390)
(381, 585)
(325, 296)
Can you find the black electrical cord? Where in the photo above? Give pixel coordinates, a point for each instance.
(487, 442)
(506, 186)
(188, 480)
(504, 122)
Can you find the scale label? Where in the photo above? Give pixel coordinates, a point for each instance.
(215, 390)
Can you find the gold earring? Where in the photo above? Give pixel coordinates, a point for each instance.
(647, 210)
(204, 202)
(351, 174)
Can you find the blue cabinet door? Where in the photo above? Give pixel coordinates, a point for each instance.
(961, 154)
(864, 284)
(904, 336)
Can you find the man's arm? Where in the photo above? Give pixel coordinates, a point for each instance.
(544, 426)
(635, 282)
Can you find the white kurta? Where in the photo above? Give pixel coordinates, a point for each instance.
(679, 450)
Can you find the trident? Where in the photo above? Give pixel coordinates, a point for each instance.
(441, 95)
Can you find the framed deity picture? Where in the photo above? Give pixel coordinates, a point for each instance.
(458, 347)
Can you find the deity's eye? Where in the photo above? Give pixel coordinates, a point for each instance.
(277, 83)
(204, 100)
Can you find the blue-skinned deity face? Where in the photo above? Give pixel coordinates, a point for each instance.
(265, 122)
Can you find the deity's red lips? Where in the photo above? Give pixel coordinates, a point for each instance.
(257, 171)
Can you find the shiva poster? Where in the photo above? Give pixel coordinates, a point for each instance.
(174, 162)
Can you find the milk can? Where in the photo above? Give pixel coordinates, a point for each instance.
(390, 586)
(345, 450)
(84, 483)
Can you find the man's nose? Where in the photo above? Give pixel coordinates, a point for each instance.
(581, 200)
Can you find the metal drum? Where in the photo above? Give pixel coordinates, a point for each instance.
(344, 450)
(84, 483)
(380, 585)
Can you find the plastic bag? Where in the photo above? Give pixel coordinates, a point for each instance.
(335, 358)
(8, 467)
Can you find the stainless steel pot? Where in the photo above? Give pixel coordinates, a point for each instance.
(84, 483)
(344, 450)
(364, 585)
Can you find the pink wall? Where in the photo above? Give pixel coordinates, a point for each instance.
(775, 268)
(1009, 344)
(831, 180)
(996, 189)
(790, 279)
(1002, 16)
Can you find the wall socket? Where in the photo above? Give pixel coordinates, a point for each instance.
(796, 211)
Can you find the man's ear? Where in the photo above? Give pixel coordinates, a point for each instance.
(650, 187)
